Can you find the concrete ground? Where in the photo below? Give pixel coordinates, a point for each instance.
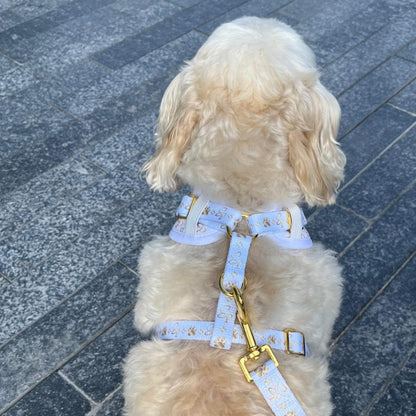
(80, 84)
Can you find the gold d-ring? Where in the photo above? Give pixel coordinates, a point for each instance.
(229, 293)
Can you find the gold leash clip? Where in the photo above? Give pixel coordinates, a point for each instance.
(254, 351)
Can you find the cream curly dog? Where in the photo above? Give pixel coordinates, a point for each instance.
(247, 124)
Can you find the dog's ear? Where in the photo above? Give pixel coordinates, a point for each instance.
(177, 121)
(314, 154)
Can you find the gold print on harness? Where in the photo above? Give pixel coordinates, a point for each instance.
(220, 342)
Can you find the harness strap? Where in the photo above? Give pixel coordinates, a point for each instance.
(234, 273)
(275, 390)
(292, 342)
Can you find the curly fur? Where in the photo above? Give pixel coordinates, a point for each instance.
(247, 123)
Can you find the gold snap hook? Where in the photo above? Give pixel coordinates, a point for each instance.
(254, 351)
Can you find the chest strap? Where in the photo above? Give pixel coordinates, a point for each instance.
(288, 340)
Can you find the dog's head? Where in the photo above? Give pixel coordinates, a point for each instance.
(247, 122)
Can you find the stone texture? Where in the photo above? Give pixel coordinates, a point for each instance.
(335, 227)
(33, 8)
(74, 41)
(186, 3)
(43, 192)
(358, 62)
(331, 44)
(38, 157)
(136, 8)
(382, 336)
(260, 8)
(131, 141)
(371, 137)
(376, 256)
(130, 260)
(37, 292)
(6, 65)
(97, 369)
(8, 19)
(51, 232)
(131, 105)
(305, 9)
(113, 406)
(373, 91)
(53, 397)
(151, 66)
(406, 99)
(409, 52)
(161, 33)
(399, 399)
(33, 354)
(49, 20)
(394, 171)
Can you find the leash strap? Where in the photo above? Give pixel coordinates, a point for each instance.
(292, 342)
(275, 391)
(234, 273)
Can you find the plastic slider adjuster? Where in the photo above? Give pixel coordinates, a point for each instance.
(185, 217)
(288, 350)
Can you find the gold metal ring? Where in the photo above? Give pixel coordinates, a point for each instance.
(229, 293)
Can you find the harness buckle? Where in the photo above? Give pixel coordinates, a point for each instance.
(254, 351)
(185, 217)
(289, 351)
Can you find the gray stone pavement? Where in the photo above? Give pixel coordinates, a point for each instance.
(80, 84)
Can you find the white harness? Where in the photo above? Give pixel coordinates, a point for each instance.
(202, 222)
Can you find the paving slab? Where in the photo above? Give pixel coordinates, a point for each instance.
(373, 91)
(366, 56)
(138, 102)
(305, 9)
(332, 43)
(113, 407)
(335, 227)
(339, 14)
(43, 192)
(53, 397)
(384, 180)
(49, 20)
(152, 65)
(382, 336)
(185, 3)
(37, 292)
(97, 369)
(409, 52)
(8, 19)
(30, 9)
(6, 65)
(406, 99)
(260, 8)
(363, 144)
(161, 33)
(376, 256)
(74, 41)
(399, 399)
(132, 140)
(135, 8)
(38, 157)
(35, 353)
(53, 231)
